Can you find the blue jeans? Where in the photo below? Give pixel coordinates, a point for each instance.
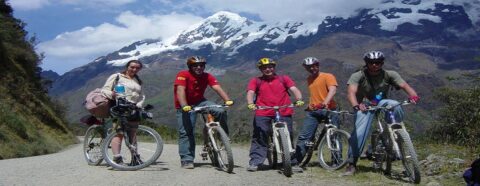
(310, 125)
(186, 133)
(262, 129)
(363, 123)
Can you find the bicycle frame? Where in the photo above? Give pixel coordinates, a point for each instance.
(277, 126)
(391, 126)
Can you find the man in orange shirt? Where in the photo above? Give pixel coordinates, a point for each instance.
(322, 87)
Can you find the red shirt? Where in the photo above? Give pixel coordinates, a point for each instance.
(272, 92)
(195, 86)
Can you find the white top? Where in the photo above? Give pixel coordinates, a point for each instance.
(133, 90)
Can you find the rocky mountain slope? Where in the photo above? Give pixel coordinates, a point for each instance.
(422, 39)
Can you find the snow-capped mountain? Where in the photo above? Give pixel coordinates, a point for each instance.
(441, 28)
(229, 34)
(224, 32)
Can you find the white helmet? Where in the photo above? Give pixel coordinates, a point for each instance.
(310, 61)
(373, 56)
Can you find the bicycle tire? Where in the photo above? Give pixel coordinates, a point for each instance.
(286, 156)
(223, 151)
(335, 158)
(149, 147)
(389, 156)
(92, 144)
(308, 155)
(272, 157)
(409, 156)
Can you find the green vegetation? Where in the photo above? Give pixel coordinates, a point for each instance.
(31, 124)
(459, 117)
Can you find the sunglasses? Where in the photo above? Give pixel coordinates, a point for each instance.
(198, 65)
(375, 63)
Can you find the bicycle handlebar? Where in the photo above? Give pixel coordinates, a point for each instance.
(388, 107)
(203, 108)
(274, 107)
(338, 111)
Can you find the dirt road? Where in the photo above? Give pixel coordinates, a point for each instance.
(69, 168)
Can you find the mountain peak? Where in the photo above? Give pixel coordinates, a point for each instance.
(225, 15)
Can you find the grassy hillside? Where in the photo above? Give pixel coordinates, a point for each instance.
(30, 123)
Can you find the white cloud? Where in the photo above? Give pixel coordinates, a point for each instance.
(280, 10)
(28, 4)
(37, 4)
(89, 43)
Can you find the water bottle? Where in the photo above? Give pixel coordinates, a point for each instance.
(120, 89)
(377, 98)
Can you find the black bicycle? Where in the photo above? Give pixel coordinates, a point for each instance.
(143, 147)
(331, 143)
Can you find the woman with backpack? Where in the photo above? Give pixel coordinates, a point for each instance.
(125, 84)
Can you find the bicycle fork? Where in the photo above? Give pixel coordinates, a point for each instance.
(277, 128)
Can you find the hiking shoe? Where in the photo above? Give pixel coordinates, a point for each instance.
(252, 168)
(297, 169)
(350, 170)
(118, 160)
(187, 165)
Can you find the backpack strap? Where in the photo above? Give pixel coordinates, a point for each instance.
(115, 81)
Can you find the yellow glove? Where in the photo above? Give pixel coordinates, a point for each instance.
(229, 103)
(299, 103)
(251, 106)
(187, 108)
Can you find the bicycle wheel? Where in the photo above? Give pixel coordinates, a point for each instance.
(148, 146)
(222, 149)
(409, 157)
(308, 155)
(92, 144)
(333, 157)
(287, 164)
(272, 154)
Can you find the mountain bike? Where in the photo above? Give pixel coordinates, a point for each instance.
(331, 142)
(217, 143)
(390, 142)
(279, 142)
(141, 149)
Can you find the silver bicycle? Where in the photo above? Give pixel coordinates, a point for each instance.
(391, 142)
(279, 141)
(217, 143)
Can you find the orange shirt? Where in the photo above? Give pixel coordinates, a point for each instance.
(318, 87)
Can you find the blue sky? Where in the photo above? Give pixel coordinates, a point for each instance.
(72, 33)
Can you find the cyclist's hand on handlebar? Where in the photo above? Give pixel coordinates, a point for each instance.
(360, 107)
(187, 108)
(251, 106)
(414, 99)
(299, 103)
(316, 107)
(229, 103)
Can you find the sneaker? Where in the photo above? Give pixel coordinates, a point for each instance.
(252, 168)
(118, 160)
(187, 165)
(350, 170)
(297, 169)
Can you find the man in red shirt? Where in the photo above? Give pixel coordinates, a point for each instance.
(270, 90)
(189, 89)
